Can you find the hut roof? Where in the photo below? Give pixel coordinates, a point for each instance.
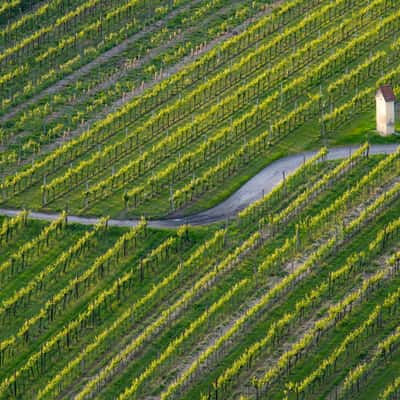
(387, 93)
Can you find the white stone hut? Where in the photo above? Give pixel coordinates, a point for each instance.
(385, 110)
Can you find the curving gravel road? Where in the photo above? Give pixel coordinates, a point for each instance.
(252, 190)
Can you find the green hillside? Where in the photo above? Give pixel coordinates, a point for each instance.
(120, 121)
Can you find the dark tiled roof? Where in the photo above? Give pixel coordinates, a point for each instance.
(387, 93)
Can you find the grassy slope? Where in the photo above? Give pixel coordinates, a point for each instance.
(246, 270)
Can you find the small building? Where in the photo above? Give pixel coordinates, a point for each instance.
(385, 110)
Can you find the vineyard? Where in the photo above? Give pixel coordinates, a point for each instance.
(141, 256)
(297, 297)
(181, 137)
